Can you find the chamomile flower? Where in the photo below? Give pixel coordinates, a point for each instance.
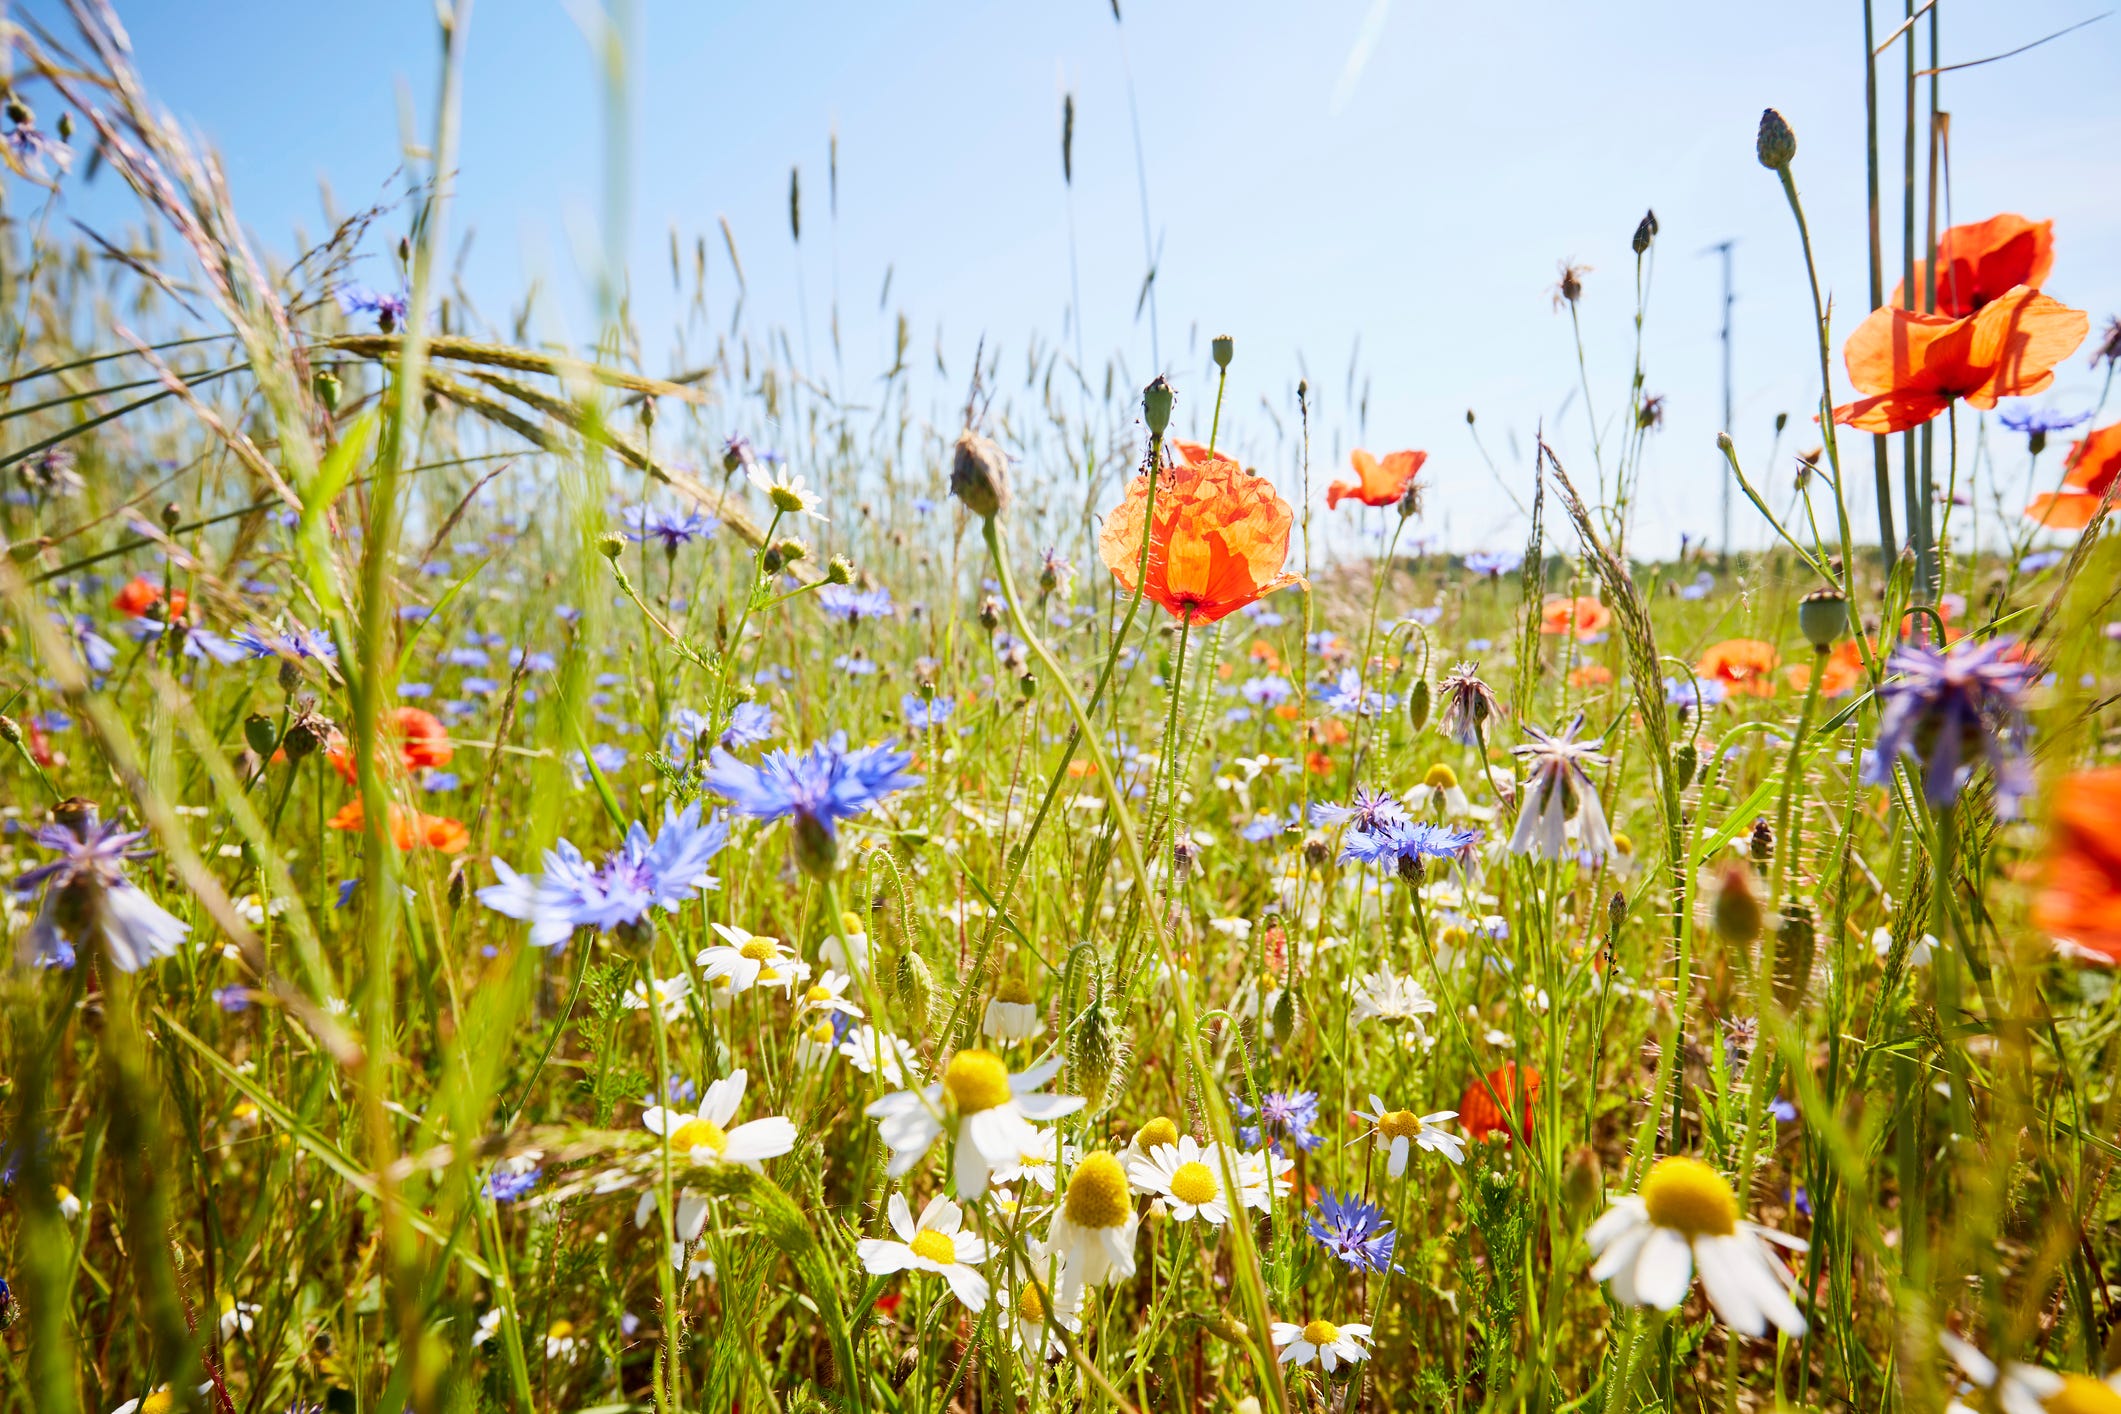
(938, 1243)
(237, 1317)
(1262, 1176)
(2031, 1389)
(1012, 1014)
(1034, 1165)
(785, 490)
(747, 960)
(705, 1136)
(827, 997)
(989, 1110)
(1441, 787)
(1650, 1244)
(880, 1053)
(690, 1222)
(1403, 1129)
(671, 994)
(1094, 1226)
(1187, 1176)
(1386, 996)
(1034, 1318)
(159, 1401)
(1322, 1341)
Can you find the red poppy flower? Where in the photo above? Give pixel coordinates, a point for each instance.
(1979, 263)
(1380, 482)
(1217, 544)
(1590, 675)
(138, 596)
(2092, 466)
(1843, 671)
(2081, 901)
(409, 829)
(1743, 665)
(1583, 616)
(1913, 366)
(1478, 1115)
(422, 742)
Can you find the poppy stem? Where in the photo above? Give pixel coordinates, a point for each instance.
(1215, 423)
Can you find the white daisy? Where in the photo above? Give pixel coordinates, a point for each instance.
(1385, 996)
(1650, 1244)
(1187, 1176)
(705, 1136)
(989, 1109)
(1403, 1128)
(1093, 1228)
(1034, 1319)
(787, 491)
(1011, 1013)
(160, 1401)
(1441, 786)
(237, 1316)
(826, 995)
(1263, 1176)
(1322, 1341)
(746, 960)
(671, 993)
(2032, 1389)
(938, 1244)
(881, 1054)
(1034, 1165)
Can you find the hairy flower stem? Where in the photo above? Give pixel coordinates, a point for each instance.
(1369, 643)
(1245, 1260)
(1785, 847)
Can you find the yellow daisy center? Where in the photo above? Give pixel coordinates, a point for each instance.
(935, 1246)
(1013, 991)
(1622, 844)
(821, 1034)
(818, 996)
(699, 1134)
(1454, 937)
(1688, 1196)
(759, 949)
(1441, 777)
(977, 1080)
(560, 1330)
(1399, 1124)
(1321, 1332)
(1192, 1183)
(1157, 1131)
(1031, 1303)
(2081, 1394)
(1097, 1192)
(160, 1402)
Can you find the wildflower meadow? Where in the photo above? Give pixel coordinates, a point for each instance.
(541, 877)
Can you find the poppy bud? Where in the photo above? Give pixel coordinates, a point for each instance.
(1782, 420)
(172, 515)
(839, 570)
(1286, 1015)
(260, 734)
(1735, 911)
(1418, 704)
(648, 414)
(913, 988)
(1684, 762)
(1797, 939)
(1028, 686)
(1582, 1180)
(979, 475)
(1777, 145)
(1097, 1057)
(1724, 443)
(1156, 405)
(990, 613)
(611, 544)
(1645, 232)
(1222, 346)
(1823, 616)
(328, 388)
(66, 127)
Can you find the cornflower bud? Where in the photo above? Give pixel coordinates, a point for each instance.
(1776, 145)
(979, 475)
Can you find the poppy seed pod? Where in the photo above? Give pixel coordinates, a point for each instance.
(259, 733)
(979, 475)
(1777, 145)
(1156, 405)
(1823, 616)
(1223, 347)
(913, 988)
(1418, 704)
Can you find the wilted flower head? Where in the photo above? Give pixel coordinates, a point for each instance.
(1558, 788)
(1465, 705)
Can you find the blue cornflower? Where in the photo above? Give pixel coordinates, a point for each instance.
(1371, 812)
(1266, 691)
(389, 310)
(2040, 560)
(671, 528)
(415, 689)
(481, 686)
(282, 641)
(506, 1185)
(1948, 709)
(465, 657)
(749, 724)
(815, 789)
(1783, 1111)
(440, 781)
(1282, 1115)
(1685, 692)
(532, 662)
(1262, 616)
(2038, 422)
(86, 894)
(1266, 827)
(1494, 562)
(37, 153)
(844, 601)
(922, 715)
(1354, 1231)
(856, 664)
(1349, 698)
(605, 757)
(685, 730)
(232, 999)
(1419, 839)
(641, 873)
(1426, 617)
(1703, 586)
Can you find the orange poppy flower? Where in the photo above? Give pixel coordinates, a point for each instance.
(1979, 263)
(1583, 616)
(2092, 466)
(1744, 665)
(1913, 366)
(1591, 675)
(138, 596)
(2081, 902)
(422, 742)
(1379, 482)
(1479, 1117)
(1218, 541)
(1319, 764)
(409, 829)
(1843, 671)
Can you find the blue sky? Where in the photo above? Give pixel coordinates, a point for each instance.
(1406, 175)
